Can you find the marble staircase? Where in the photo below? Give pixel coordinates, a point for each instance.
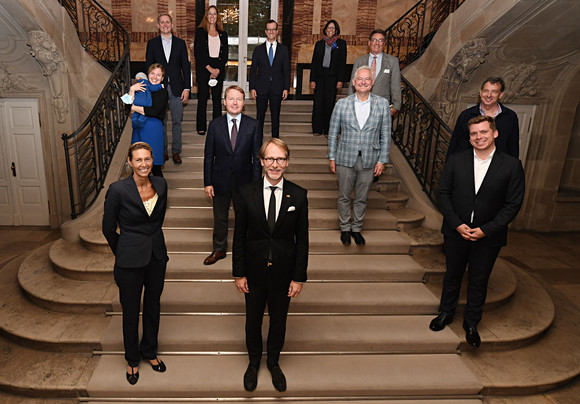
(359, 330)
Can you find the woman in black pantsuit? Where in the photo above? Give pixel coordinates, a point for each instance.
(137, 205)
(326, 75)
(211, 55)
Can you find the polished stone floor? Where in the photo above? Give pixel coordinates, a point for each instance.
(551, 258)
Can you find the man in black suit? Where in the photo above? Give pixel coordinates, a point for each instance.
(506, 120)
(171, 52)
(480, 193)
(270, 77)
(231, 158)
(270, 256)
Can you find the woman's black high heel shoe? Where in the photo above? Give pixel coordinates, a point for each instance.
(133, 377)
(160, 367)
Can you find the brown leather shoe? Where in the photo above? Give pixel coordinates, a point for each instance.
(176, 158)
(214, 257)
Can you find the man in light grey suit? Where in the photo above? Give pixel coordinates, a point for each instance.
(387, 75)
(361, 152)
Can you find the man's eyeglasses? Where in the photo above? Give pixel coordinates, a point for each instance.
(279, 160)
(379, 40)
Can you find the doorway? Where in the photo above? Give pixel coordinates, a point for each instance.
(245, 23)
(23, 192)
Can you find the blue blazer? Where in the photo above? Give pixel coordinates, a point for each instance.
(374, 140)
(261, 72)
(222, 163)
(140, 235)
(177, 70)
(496, 203)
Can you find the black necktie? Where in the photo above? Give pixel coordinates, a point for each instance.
(272, 210)
(234, 133)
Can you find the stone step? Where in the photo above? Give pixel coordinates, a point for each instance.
(182, 296)
(296, 151)
(290, 136)
(180, 179)
(73, 260)
(189, 127)
(331, 400)
(302, 165)
(202, 217)
(220, 377)
(285, 115)
(324, 334)
(401, 268)
(49, 290)
(303, 106)
(408, 218)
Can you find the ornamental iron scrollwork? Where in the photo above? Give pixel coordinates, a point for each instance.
(90, 149)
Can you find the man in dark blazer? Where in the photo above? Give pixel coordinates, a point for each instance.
(270, 77)
(480, 193)
(171, 52)
(506, 120)
(270, 256)
(231, 159)
(387, 74)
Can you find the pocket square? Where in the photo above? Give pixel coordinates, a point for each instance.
(291, 209)
(387, 71)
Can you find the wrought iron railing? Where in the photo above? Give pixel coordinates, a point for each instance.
(410, 35)
(422, 137)
(418, 131)
(90, 149)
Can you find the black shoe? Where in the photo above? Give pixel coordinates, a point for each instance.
(251, 378)
(133, 378)
(345, 237)
(358, 238)
(439, 322)
(471, 335)
(160, 367)
(278, 378)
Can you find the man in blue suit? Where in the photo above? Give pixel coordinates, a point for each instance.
(231, 159)
(270, 77)
(171, 52)
(364, 123)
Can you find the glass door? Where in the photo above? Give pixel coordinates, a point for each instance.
(245, 23)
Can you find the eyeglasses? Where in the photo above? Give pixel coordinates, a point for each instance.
(379, 40)
(279, 160)
(272, 29)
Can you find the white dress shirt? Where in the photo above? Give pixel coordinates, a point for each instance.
(480, 168)
(167, 46)
(273, 45)
(378, 62)
(231, 124)
(277, 192)
(362, 110)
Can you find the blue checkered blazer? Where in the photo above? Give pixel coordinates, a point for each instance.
(374, 138)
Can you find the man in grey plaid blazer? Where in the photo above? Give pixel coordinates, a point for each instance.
(361, 152)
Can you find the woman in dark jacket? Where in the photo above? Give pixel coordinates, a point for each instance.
(137, 206)
(326, 75)
(211, 55)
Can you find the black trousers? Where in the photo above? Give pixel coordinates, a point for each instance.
(203, 90)
(221, 212)
(131, 282)
(276, 296)
(324, 100)
(275, 101)
(480, 257)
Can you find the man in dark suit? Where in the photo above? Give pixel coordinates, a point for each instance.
(270, 77)
(270, 256)
(506, 120)
(171, 52)
(480, 193)
(386, 71)
(231, 158)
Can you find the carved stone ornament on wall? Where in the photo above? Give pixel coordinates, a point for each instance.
(460, 69)
(521, 81)
(44, 50)
(10, 81)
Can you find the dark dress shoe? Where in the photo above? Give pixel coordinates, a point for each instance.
(251, 378)
(214, 257)
(201, 132)
(471, 335)
(345, 237)
(358, 238)
(160, 367)
(439, 322)
(278, 378)
(176, 158)
(133, 378)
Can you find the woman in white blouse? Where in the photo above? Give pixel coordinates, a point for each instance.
(211, 55)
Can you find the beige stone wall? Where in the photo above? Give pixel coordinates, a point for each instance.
(571, 172)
